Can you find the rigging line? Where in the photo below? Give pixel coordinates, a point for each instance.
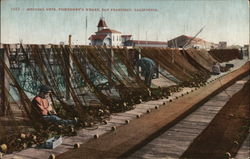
(68, 51)
(76, 74)
(101, 96)
(57, 55)
(118, 68)
(51, 72)
(108, 68)
(29, 63)
(124, 57)
(65, 57)
(187, 43)
(16, 123)
(50, 69)
(95, 62)
(127, 61)
(62, 67)
(20, 90)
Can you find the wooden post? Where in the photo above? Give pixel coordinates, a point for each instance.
(248, 49)
(130, 56)
(2, 107)
(68, 63)
(157, 70)
(69, 73)
(4, 80)
(111, 60)
(139, 57)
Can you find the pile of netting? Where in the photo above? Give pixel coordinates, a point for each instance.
(88, 83)
(180, 64)
(224, 55)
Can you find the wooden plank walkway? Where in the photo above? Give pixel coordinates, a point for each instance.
(173, 142)
(244, 151)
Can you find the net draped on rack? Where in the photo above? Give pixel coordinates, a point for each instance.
(87, 82)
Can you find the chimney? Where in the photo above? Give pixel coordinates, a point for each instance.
(69, 40)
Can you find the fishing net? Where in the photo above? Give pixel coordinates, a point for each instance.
(87, 82)
(224, 55)
(202, 57)
(179, 64)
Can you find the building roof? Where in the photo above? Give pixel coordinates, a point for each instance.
(102, 23)
(148, 42)
(97, 37)
(126, 36)
(187, 38)
(108, 31)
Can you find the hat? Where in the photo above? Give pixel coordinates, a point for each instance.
(45, 89)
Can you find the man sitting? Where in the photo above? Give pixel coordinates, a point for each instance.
(42, 106)
(215, 68)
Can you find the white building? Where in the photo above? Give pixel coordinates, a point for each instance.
(106, 36)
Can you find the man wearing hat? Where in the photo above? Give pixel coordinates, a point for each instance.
(42, 106)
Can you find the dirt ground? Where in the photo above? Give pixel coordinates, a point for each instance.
(226, 132)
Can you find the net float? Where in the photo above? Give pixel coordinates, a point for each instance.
(3, 148)
(18, 140)
(140, 100)
(52, 156)
(106, 111)
(227, 155)
(126, 121)
(23, 136)
(113, 128)
(77, 146)
(34, 137)
(231, 115)
(96, 136)
(24, 146)
(101, 111)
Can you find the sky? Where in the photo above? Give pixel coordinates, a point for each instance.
(31, 22)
